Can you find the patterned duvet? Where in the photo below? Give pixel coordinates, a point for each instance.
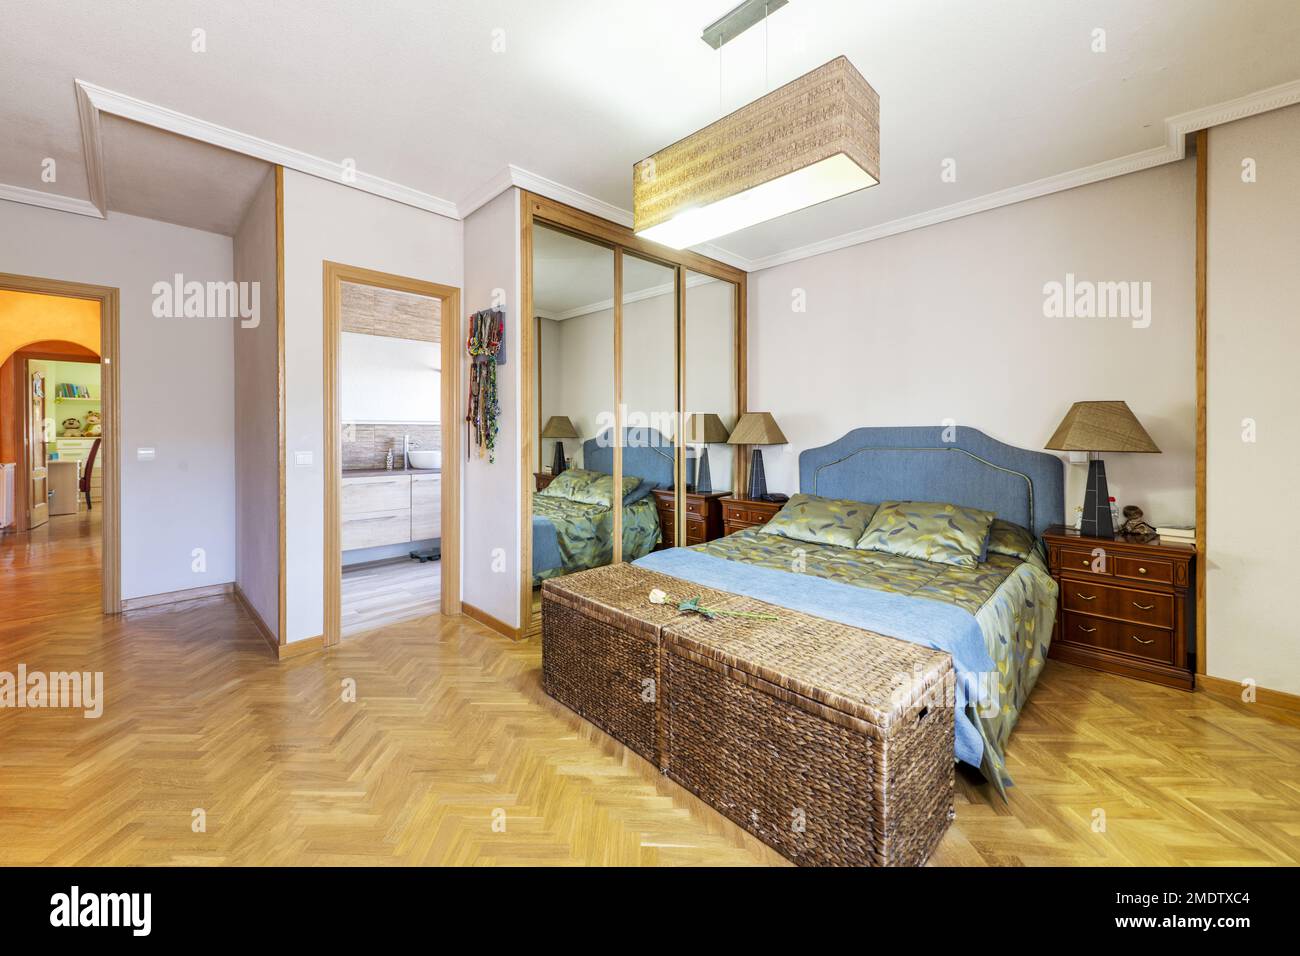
(1013, 602)
(583, 534)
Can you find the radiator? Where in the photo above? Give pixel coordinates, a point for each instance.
(6, 495)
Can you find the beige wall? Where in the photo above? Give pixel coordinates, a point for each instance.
(176, 383)
(491, 493)
(1253, 311)
(948, 322)
(257, 413)
(324, 220)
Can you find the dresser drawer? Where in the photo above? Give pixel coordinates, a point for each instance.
(374, 530)
(697, 532)
(695, 506)
(1144, 569)
(1085, 562)
(1109, 600)
(426, 508)
(382, 493)
(1135, 640)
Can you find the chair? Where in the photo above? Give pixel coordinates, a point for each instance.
(84, 483)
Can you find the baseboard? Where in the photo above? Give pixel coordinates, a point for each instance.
(488, 621)
(308, 645)
(1222, 687)
(266, 632)
(176, 597)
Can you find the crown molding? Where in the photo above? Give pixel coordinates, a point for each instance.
(161, 117)
(1174, 149)
(35, 197)
(92, 100)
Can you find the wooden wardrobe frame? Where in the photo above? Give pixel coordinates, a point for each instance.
(110, 404)
(538, 209)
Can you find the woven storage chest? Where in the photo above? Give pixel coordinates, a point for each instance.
(831, 744)
(600, 647)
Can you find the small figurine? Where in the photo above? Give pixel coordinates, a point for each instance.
(1134, 526)
(72, 428)
(94, 425)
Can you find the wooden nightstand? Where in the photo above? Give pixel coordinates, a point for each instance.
(741, 513)
(703, 515)
(542, 479)
(1125, 607)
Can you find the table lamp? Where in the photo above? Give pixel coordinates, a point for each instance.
(559, 427)
(757, 428)
(1097, 427)
(703, 428)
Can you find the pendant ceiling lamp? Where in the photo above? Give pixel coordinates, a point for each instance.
(814, 139)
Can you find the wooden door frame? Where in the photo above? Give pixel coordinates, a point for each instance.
(534, 208)
(109, 299)
(335, 274)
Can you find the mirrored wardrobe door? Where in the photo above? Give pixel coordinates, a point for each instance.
(649, 400)
(574, 494)
(710, 392)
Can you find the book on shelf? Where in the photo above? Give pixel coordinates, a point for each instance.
(1177, 534)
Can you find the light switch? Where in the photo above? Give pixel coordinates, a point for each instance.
(144, 454)
(303, 459)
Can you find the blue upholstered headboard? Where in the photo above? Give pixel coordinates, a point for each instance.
(916, 464)
(646, 454)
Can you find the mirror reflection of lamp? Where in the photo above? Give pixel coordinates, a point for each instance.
(704, 429)
(559, 427)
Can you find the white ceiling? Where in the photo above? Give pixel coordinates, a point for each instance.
(413, 91)
(159, 175)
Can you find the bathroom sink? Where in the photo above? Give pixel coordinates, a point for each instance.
(426, 459)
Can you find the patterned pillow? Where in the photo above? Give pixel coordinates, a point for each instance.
(1005, 537)
(929, 530)
(836, 521)
(587, 487)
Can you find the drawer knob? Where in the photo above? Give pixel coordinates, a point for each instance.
(1139, 640)
(1086, 630)
(1085, 597)
(1144, 607)
(1142, 570)
(1084, 562)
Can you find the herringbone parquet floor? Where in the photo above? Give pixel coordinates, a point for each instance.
(451, 754)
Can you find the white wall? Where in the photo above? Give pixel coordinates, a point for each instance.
(1253, 286)
(257, 418)
(176, 383)
(329, 221)
(948, 322)
(491, 491)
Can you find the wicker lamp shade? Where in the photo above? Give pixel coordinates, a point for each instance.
(756, 428)
(559, 426)
(816, 138)
(1101, 426)
(704, 428)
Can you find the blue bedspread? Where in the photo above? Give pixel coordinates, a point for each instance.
(934, 624)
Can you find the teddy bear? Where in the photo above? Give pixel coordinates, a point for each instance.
(94, 428)
(72, 428)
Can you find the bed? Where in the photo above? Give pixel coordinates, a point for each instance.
(994, 618)
(571, 536)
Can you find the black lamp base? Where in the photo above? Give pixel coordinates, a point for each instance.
(757, 479)
(703, 480)
(558, 464)
(1096, 503)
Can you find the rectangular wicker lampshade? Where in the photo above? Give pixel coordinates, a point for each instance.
(559, 426)
(1101, 426)
(705, 428)
(756, 428)
(816, 138)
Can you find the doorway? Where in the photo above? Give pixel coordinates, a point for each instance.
(59, 366)
(392, 510)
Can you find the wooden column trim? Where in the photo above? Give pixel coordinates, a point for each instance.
(1202, 444)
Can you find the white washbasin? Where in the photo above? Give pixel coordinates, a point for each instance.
(425, 459)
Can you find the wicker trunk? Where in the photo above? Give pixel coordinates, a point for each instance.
(600, 649)
(831, 744)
